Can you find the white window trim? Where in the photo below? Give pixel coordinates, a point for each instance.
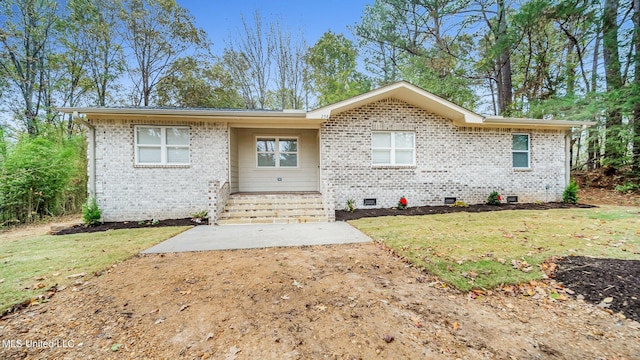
(393, 149)
(163, 145)
(528, 152)
(277, 151)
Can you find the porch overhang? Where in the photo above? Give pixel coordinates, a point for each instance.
(238, 118)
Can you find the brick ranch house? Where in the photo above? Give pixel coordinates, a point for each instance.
(294, 166)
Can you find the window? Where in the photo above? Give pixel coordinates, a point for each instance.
(162, 145)
(277, 152)
(393, 148)
(520, 151)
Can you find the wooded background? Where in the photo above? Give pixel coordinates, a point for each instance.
(574, 59)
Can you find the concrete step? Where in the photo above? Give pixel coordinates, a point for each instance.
(270, 220)
(280, 208)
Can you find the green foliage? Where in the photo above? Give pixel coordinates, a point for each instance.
(402, 203)
(494, 198)
(570, 194)
(350, 206)
(199, 216)
(197, 83)
(627, 187)
(333, 69)
(91, 213)
(460, 204)
(42, 176)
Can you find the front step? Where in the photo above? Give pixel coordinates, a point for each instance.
(277, 208)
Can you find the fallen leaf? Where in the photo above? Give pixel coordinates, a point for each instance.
(416, 322)
(184, 307)
(38, 286)
(321, 307)
(74, 276)
(116, 347)
(186, 292)
(456, 325)
(297, 284)
(38, 278)
(608, 300)
(285, 297)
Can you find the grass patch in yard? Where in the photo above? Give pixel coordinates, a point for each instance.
(484, 250)
(49, 259)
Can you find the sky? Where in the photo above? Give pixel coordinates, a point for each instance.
(222, 19)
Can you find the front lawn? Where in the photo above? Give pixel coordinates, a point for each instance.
(484, 250)
(32, 265)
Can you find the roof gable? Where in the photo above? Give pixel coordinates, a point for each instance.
(408, 93)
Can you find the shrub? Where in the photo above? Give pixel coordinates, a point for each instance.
(460, 204)
(350, 206)
(91, 213)
(570, 194)
(627, 187)
(402, 204)
(199, 216)
(42, 176)
(494, 198)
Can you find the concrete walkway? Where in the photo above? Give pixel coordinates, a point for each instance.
(228, 237)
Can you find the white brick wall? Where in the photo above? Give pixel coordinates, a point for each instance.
(462, 162)
(126, 192)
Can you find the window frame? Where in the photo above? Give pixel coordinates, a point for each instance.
(528, 151)
(276, 151)
(392, 149)
(163, 146)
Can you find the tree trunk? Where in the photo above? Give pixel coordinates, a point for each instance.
(613, 147)
(636, 82)
(505, 83)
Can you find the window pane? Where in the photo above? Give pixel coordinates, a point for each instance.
(177, 136)
(520, 142)
(148, 155)
(288, 160)
(267, 145)
(288, 145)
(381, 157)
(404, 157)
(404, 140)
(521, 159)
(148, 136)
(381, 140)
(178, 155)
(266, 160)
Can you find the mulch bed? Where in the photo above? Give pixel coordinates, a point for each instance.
(342, 215)
(609, 283)
(128, 225)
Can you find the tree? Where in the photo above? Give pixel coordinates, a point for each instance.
(332, 61)
(613, 148)
(26, 28)
(196, 82)
(96, 27)
(157, 32)
(636, 91)
(291, 69)
(249, 59)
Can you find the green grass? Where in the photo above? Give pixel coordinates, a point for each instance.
(475, 250)
(56, 257)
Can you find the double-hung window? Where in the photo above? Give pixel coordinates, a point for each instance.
(277, 152)
(393, 148)
(520, 151)
(162, 145)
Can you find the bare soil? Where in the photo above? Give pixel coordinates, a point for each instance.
(342, 302)
(342, 215)
(610, 283)
(129, 225)
(354, 301)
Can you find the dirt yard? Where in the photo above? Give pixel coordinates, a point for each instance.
(336, 302)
